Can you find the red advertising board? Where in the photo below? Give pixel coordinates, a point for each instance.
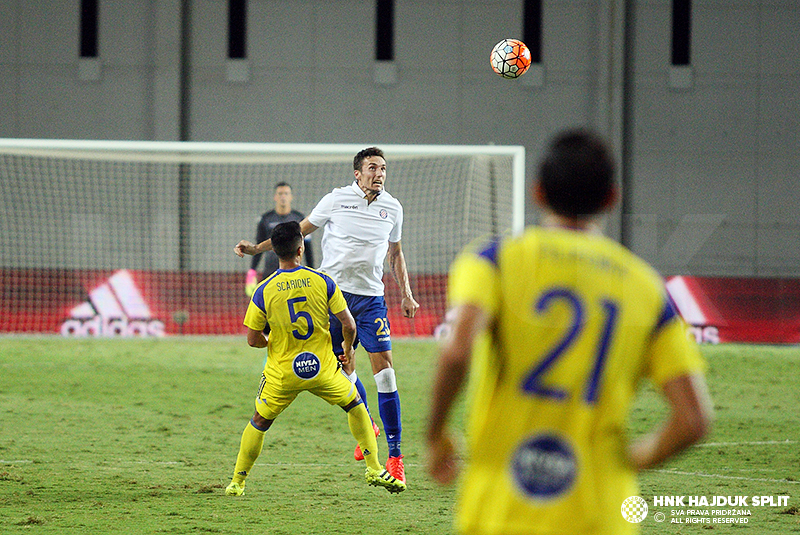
(747, 310)
(144, 303)
(78, 303)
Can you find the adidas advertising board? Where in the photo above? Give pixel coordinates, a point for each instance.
(115, 308)
(154, 303)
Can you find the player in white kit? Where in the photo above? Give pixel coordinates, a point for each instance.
(363, 225)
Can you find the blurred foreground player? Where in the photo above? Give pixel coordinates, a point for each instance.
(565, 324)
(295, 301)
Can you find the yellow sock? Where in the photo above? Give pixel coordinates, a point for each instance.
(249, 450)
(361, 428)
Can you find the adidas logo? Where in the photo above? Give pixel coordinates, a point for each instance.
(685, 301)
(695, 309)
(115, 308)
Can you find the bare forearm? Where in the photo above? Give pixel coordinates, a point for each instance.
(244, 247)
(688, 422)
(397, 263)
(449, 379)
(348, 327)
(263, 246)
(454, 359)
(451, 373)
(256, 339)
(349, 335)
(658, 446)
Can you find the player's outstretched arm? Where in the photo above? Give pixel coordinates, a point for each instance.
(397, 262)
(451, 372)
(688, 422)
(307, 228)
(246, 247)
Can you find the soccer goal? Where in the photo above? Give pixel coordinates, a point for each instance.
(119, 238)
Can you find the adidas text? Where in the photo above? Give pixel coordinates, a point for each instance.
(115, 308)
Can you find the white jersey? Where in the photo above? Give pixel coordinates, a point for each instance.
(356, 237)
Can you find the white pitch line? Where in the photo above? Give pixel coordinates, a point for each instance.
(761, 443)
(315, 465)
(20, 461)
(720, 476)
(151, 462)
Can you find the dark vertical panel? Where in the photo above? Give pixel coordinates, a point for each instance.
(237, 29)
(532, 28)
(185, 70)
(384, 30)
(681, 32)
(626, 183)
(184, 169)
(89, 28)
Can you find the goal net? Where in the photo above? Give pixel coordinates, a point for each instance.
(136, 238)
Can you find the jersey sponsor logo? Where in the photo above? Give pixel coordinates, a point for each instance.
(349, 206)
(544, 467)
(115, 308)
(306, 365)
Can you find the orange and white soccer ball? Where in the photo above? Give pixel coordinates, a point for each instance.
(510, 58)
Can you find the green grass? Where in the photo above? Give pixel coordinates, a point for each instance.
(140, 436)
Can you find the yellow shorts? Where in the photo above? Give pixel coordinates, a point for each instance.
(275, 393)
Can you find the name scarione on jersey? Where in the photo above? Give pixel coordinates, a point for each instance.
(293, 284)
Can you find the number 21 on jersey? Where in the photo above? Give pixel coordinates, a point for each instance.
(535, 381)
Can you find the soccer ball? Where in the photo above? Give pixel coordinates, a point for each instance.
(510, 58)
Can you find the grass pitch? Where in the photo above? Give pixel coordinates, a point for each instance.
(140, 436)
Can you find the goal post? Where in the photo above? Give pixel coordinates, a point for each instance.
(126, 238)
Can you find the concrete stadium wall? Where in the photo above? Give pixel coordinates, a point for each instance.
(712, 151)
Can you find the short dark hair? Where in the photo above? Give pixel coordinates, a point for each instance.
(282, 185)
(286, 238)
(577, 174)
(362, 155)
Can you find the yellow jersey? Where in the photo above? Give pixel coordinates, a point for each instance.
(295, 304)
(578, 321)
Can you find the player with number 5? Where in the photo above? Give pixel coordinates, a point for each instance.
(296, 302)
(363, 225)
(560, 325)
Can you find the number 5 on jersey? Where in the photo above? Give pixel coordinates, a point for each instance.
(296, 315)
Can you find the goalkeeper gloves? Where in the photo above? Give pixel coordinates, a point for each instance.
(250, 282)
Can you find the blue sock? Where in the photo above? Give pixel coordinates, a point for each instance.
(363, 393)
(389, 407)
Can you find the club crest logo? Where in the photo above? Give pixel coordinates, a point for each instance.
(384, 214)
(634, 509)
